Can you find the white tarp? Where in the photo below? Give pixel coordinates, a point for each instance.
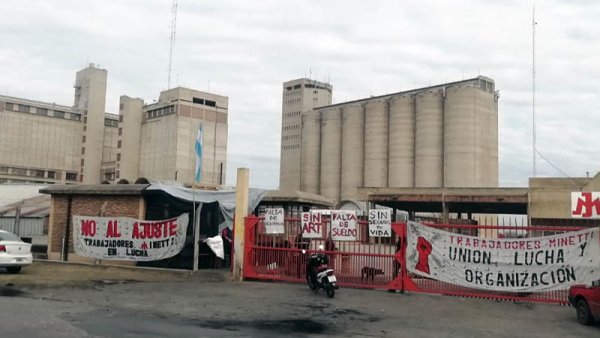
(513, 265)
(125, 238)
(225, 198)
(216, 245)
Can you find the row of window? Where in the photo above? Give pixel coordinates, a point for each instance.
(152, 114)
(39, 173)
(290, 101)
(21, 108)
(292, 114)
(291, 137)
(204, 102)
(293, 146)
(111, 123)
(292, 127)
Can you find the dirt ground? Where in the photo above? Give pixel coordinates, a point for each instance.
(49, 274)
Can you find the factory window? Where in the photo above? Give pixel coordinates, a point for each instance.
(41, 111)
(83, 139)
(76, 117)
(288, 88)
(118, 156)
(82, 150)
(121, 106)
(120, 118)
(210, 103)
(3, 169)
(120, 131)
(84, 127)
(38, 173)
(60, 114)
(111, 123)
(24, 108)
(197, 100)
(85, 119)
(71, 177)
(297, 86)
(109, 176)
(119, 144)
(51, 174)
(82, 162)
(19, 171)
(9, 106)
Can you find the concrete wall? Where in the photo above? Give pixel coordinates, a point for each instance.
(87, 205)
(299, 97)
(90, 102)
(31, 142)
(132, 117)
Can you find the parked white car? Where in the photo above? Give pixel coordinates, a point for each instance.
(14, 253)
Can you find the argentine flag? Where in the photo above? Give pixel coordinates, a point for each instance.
(198, 150)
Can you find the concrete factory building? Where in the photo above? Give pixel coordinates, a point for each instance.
(299, 97)
(439, 136)
(50, 143)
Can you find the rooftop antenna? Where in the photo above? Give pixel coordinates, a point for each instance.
(534, 149)
(172, 42)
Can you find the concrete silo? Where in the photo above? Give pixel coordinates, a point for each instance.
(401, 163)
(429, 138)
(460, 139)
(331, 152)
(486, 122)
(470, 136)
(310, 164)
(376, 143)
(353, 126)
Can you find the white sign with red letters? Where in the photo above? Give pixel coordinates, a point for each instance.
(585, 204)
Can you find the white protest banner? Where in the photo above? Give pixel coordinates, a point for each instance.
(343, 225)
(274, 221)
(311, 225)
(125, 238)
(513, 265)
(380, 223)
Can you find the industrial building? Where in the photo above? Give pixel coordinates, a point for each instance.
(49, 143)
(299, 97)
(439, 136)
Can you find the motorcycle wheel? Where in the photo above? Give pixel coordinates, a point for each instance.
(311, 283)
(329, 290)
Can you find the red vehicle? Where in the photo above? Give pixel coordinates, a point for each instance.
(586, 300)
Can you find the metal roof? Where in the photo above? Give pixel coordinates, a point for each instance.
(297, 197)
(98, 189)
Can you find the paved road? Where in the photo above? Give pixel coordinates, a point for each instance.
(210, 306)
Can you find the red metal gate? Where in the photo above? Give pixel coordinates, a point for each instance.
(374, 263)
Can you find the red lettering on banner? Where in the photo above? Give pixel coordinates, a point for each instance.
(88, 228)
(172, 228)
(112, 230)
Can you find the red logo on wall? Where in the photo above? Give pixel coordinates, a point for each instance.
(424, 248)
(585, 204)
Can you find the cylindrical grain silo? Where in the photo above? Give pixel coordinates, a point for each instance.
(353, 126)
(311, 152)
(401, 163)
(460, 137)
(486, 127)
(429, 139)
(376, 143)
(331, 152)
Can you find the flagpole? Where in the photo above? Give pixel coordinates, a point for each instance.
(197, 178)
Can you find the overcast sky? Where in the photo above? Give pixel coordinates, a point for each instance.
(246, 49)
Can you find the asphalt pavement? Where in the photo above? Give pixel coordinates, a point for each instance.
(210, 305)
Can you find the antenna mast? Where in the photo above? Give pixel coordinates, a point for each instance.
(172, 42)
(533, 24)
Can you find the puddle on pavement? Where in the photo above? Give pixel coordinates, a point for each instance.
(283, 326)
(11, 291)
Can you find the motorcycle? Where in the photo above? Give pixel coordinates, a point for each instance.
(319, 275)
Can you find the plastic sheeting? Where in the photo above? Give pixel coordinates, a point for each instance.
(225, 198)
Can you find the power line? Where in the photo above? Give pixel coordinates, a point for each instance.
(552, 164)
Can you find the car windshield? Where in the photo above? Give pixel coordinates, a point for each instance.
(7, 236)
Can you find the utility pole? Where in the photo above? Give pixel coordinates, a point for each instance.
(172, 41)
